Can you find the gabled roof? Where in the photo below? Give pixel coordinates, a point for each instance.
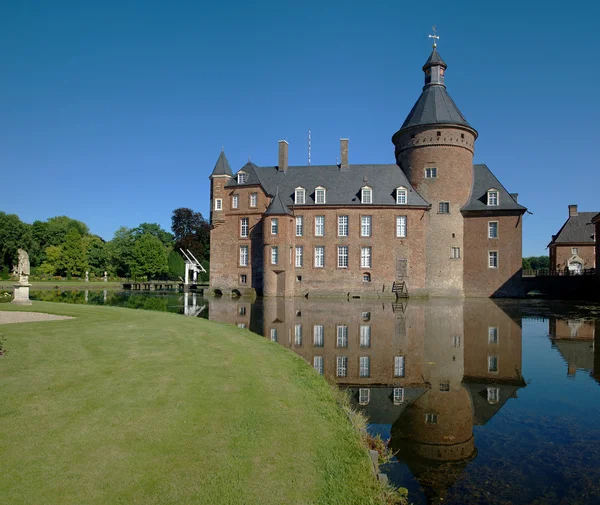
(484, 179)
(577, 229)
(252, 179)
(343, 188)
(222, 166)
(277, 207)
(434, 106)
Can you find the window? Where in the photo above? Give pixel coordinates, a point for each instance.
(398, 396)
(320, 256)
(400, 226)
(401, 195)
(431, 418)
(342, 226)
(430, 173)
(318, 364)
(319, 226)
(242, 311)
(299, 226)
(218, 204)
(492, 197)
(444, 208)
(273, 334)
(244, 256)
(274, 226)
(493, 364)
(298, 334)
(444, 386)
(366, 195)
(342, 366)
(574, 250)
(366, 316)
(242, 177)
(456, 341)
(365, 226)
(365, 257)
(235, 201)
(299, 196)
(493, 259)
(365, 335)
(493, 229)
(274, 254)
(455, 253)
(243, 279)
(253, 199)
(241, 325)
(364, 366)
(493, 335)
(342, 336)
(318, 335)
(366, 277)
(399, 366)
(493, 395)
(364, 396)
(320, 195)
(244, 225)
(342, 256)
(299, 256)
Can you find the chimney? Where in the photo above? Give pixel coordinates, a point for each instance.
(283, 156)
(344, 155)
(573, 211)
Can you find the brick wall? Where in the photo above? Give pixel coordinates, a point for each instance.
(562, 253)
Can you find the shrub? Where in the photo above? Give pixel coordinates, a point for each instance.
(5, 297)
(5, 275)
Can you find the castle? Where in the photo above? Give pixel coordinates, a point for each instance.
(431, 224)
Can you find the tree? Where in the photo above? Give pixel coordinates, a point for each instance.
(176, 265)
(155, 230)
(536, 262)
(14, 234)
(98, 256)
(149, 257)
(74, 254)
(53, 264)
(56, 230)
(120, 249)
(192, 232)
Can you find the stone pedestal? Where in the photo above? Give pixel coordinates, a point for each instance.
(21, 294)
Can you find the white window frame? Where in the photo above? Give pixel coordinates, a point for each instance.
(341, 369)
(342, 251)
(431, 418)
(273, 334)
(318, 364)
(366, 195)
(399, 366)
(299, 226)
(364, 396)
(493, 333)
(242, 177)
(431, 173)
(455, 253)
(456, 341)
(318, 335)
(253, 199)
(444, 208)
(366, 257)
(492, 259)
(218, 204)
(274, 255)
(401, 195)
(244, 278)
(298, 334)
(401, 226)
(274, 226)
(365, 335)
(398, 396)
(343, 226)
(366, 226)
(493, 395)
(493, 197)
(241, 325)
(319, 256)
(244, 227)
(235, 201)
(244, 255)
(366, 277)
(492, 363)
(574, 251)
(493, 225)
(299, 258)
(320, 195)
(364, 367)
(299, 196)
(341, 336)
(319, 226)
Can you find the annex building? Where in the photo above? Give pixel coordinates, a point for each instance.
(432, 223)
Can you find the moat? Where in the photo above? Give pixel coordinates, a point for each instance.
(484, 401)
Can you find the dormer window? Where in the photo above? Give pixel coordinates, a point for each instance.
(366, 195)
(242, 177)
(492, 197)
(320, 195)
(299, 196)
(401, 195)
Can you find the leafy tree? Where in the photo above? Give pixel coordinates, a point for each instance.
(536, 262)
(53, 264)
(120, 249)
(526, 264)
(155, 230)
(176, 265)
(192, 232)
(56, 230)
(74, 254)
(149, 257)
(14, 234)
(98, 257)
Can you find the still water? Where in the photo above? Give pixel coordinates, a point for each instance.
(484, 402)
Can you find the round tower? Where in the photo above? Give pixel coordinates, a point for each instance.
(434, 147)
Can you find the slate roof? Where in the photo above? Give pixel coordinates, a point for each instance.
(343, 188)
(483, 411)
(222, 166)
(484, 179)
(277, 207)
(434, 59)
(578, 229)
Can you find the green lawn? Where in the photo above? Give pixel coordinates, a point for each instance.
(124, 406)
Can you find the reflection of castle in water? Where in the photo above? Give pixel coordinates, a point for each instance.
(575, 339)
(430, 369)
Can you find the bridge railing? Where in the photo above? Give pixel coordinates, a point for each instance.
(546, 272)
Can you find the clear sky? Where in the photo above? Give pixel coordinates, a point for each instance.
(114, 112)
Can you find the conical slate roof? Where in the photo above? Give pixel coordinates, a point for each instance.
(434, 59)
(222, 166)
(434, 106)
(277, 207)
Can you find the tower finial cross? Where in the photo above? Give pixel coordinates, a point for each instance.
(435, 36)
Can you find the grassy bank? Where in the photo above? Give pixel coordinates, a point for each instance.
(36, 285)
(124, 406)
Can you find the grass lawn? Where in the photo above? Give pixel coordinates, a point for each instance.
(124, 406)
(64, 285)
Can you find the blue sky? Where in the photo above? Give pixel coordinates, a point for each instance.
(114, 113)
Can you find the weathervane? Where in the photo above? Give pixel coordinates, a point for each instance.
(435, 37)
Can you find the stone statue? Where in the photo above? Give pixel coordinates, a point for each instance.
(23, 268)
(105, 276)
(21, 290)
(87, 276)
